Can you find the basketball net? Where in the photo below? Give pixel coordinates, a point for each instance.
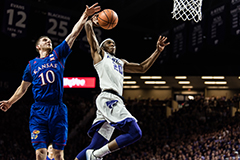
(187, 10)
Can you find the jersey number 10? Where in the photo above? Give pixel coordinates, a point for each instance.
(49, 72)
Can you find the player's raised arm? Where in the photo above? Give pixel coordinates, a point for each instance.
(79, 25)
(21, 90)
(145, 65)
(92, 39)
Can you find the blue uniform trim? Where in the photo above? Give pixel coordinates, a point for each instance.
(95, 127)
(58, 58)
(119, 125)
(49, 158)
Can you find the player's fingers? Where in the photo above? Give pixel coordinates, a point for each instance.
(95, 16)
(163, 39)
(3, 108)
(98, 8)
(159, 40)
(94, 5)
(160, 37)
(165, 44)
(1, 104)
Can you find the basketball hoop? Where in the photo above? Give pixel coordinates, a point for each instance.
(187, 10)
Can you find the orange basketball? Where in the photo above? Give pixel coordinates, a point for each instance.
(107, 19)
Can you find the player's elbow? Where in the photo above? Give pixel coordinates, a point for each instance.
(87, 25)
(143, 69)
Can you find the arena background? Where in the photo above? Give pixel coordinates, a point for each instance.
(207, 48)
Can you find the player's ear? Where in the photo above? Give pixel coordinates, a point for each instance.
(37, 48)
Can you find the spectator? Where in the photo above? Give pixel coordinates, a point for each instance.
(200, 131)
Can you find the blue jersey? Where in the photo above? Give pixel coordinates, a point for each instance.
(46, 75)
(49, 158)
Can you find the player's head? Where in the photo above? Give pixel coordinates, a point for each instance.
(50, 149)
(109, 46)
(44, 43)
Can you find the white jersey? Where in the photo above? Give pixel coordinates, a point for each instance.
(110, 72)
(110, 107)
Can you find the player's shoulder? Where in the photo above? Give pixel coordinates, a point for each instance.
(62, 44)
(34, 60)
(62, 49)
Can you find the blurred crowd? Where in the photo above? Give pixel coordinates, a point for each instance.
(202, 128)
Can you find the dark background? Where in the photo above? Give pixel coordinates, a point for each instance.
(140, 24)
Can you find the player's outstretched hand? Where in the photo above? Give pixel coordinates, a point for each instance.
(94, 20)
(93, 9)
(161, 43)
(5, 105)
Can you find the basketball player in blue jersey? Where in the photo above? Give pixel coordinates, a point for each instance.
(111, 111)
(48, 122)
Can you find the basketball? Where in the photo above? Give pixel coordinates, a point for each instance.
(107, 19)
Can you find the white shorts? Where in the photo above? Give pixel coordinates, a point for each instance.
(111, 108)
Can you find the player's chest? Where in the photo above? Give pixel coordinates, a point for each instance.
(46, 65)
(46, 72)
(114, 64)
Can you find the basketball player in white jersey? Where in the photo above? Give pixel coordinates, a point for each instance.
(111, 111)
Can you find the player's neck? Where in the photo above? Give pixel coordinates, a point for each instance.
(113, 54)
(44, 53)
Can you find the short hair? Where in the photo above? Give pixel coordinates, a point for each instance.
(37, 41)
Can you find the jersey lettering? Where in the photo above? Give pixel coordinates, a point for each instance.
(47, 65)
(118, 67)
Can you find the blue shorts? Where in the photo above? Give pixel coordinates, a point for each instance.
(48, 124)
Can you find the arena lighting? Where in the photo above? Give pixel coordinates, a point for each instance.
(150, 77)
(217, 87)
(157, 87)
(79, 82)
(127, 77)
(189, 92)
(131, 87)
(184, 82)
(212, 77)
(129, 82)
(155, 82)
(215, 82)
(187, 87)
(180, 77)
(190, 97)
